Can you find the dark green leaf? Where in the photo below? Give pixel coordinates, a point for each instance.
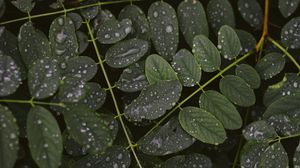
(24, 6)
(274, 156)
(76, 18)
(270, 65)
(290, 33)
(247, 40)
(219, 13)
(71, 90)
(251, 12)
(44, 138)
(10, 77)
(9, 142)
(82, 41)
(193, 160)
(206, 54)
(249, 74)
(251, 153)
(154, 100)
(167, 139)
(288, 7)
(164, 28)
(296, 158)
(259, 131)
(229, 42)
(192, 20)
(126, 52)
(87, 129)
(221, 108)
(284, 125)
(158, 69)
(147, 160)
(2, 8)
(71, 146)
(33, 44)
(237, 91)
(91, 12)
(102, 17)
(187, 68)
(111, 123)
(43, 78)
(202, 125)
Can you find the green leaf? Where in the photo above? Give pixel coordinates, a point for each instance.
(2, 8)
(228, 42)
(296, 158)
(192, 20)
(259, 131)
(284, 105)
(274, 156)
(62, 37)
(43, 78)
(103, 16)
(219, 13)
(10, 77)
(194, 160)
(112, 31)
(290, 33)
(251, 12)
(24, 6)
(158, 69)
(83, 41)
(247, 40)
(71, 90)
(126, 52)
(167, 139)
(251, 153)
(133, 78)
(44, 136)
(164, 29)
(270, 65)
(33, 44)
(187, 68)
(249, 74)
(285, 125)
(206, 54)
(76, 18)
(147, 160)
(237, 91)
(83, 68)
(288, 7)
(9, 142)
(115, 156)
(140, 23)
(153, 101)
(202, 125)
(71, 146)
(87, 128)
(90, 12)
(217, 104)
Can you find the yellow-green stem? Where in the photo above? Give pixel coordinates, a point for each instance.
(31, 101)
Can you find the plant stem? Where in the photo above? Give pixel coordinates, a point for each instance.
(285, 52)
(198, 90)
(64, 11)
(119, 114)
(284, 137)
(265, 28)
(31, 101)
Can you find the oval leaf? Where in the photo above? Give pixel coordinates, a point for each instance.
(71, 90)
(247, 40)
(194, 160)
(82, 41)
(288, 7)
(24, 6)
(296, 158)
(290, 33)
(251, 13)
(249, 74)
(274, 156)
(251, 153)
(259, 131)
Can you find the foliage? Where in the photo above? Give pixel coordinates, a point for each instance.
(158, 84)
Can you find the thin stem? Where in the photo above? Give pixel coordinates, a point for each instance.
(265, 28)
(198, 90)
(31, 101)
(63, 11)
(119, 114)
(278, 139)
(285, 52)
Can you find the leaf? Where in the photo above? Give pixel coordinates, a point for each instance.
(218, 105)
(247, 40)
(219, 13)
(2, 8)
(140, 25)
(251, 153)
(33, 44)
(270, 65)
(133, 78)
(259, 131)
(192, 20)
(158, 69)
(76, 18)
(102, 17)
(90, 12)
(24, 6)
(10, 77)
(164, 30)
(249, 74)
(126, 52)
(44, 138)
(274, 156)
(115, 156)
(167, 139)
(206, 54)
(288, 7)
(71, 146)
(153, 101)
(194, 160)
(111, 123)
(87, 129)
(83, 42)
(9, 142)
(202, 125)
(251, 12)
(43, 78)
(290, 33)
(147, 160)
(237, 91)
(187, 68)
(82, 67)
(62, 37)
(296, 158)
(228, 42)
(285, 125)
(71, 90)
(112, 31)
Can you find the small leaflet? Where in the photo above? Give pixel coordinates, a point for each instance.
(259, 131)
(249, 74)
(290, 33)
(71, 90)
(2, 8)
(76, 18)
(288, 7)
(83, 41)
(91, 12)
(24, 6)
(247, 40)
(251, 12)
